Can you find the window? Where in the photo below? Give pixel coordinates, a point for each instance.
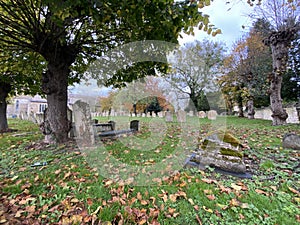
(42, 108)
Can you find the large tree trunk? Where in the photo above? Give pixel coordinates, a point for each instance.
(280, 42)
(5, 88)
(279, 46)
(55, 85)
(250, 106)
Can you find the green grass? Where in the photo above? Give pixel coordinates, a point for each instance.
(68, 190)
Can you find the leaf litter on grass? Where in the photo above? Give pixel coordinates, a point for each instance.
(63, 191)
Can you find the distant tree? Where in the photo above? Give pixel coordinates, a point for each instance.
(194, 69)
(106, 103)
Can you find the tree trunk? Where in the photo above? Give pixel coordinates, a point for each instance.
(250, 105)
(279, 55)
(5, 88)
(55, 85)
(280, 42)
(240, 105)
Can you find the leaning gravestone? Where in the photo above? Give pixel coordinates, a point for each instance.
(212, 115)
(181, 116)
(291, 141)
(201, 114)
(83, 124)
(169, 116)
(220, 150)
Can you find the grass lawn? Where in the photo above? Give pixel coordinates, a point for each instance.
(44, 184)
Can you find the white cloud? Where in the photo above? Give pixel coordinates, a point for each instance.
(228, 17)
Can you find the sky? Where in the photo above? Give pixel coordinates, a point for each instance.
(229, 17)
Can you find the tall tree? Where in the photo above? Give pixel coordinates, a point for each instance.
(69, 33)
(283, 16)
(195, 67)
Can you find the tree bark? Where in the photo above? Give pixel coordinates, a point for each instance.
(250, 106)
(280, 57)
(55, 85)
(5, 88)
(240, 105)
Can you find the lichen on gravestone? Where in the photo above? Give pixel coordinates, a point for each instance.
(222, 150)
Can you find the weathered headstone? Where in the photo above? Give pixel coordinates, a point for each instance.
(220, 150)
(143, 115)
(134, 125)
(181, 116)
(191, 113)
(169, 116)
(201, 114)
(39, 118)
(291, 141)
(113, 124)
(148, 114)
(212, 114)
(160, 114)
(83, 124)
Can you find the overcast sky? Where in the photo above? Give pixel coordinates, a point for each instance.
(229, 17)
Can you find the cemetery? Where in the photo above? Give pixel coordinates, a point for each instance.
(217, 164)
(149, 112)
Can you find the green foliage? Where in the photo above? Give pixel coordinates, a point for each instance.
(22, 71)
(289, 88)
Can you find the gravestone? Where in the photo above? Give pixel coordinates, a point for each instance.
(39, 118)
(291, 141)
(181, 116)
(169, 116)
(212, 114)
(191, 113)
(143, 115)
(201, 114)
(113, 124)
(160, 114)
(148, 114)
(134, 125)
(83, 124)
(220, 150)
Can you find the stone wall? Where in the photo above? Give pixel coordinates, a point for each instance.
(266, 113)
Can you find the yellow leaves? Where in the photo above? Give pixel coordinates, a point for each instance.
(216, 32)
(171, 213)
(19, 213)
(207, 209)
(208, 181)
(236, 187)
(294, 191)
(74, 219)
(258, 191)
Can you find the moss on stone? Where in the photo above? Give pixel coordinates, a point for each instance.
(230, 152)
(229, 138)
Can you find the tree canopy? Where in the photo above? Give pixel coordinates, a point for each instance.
(70, 34)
